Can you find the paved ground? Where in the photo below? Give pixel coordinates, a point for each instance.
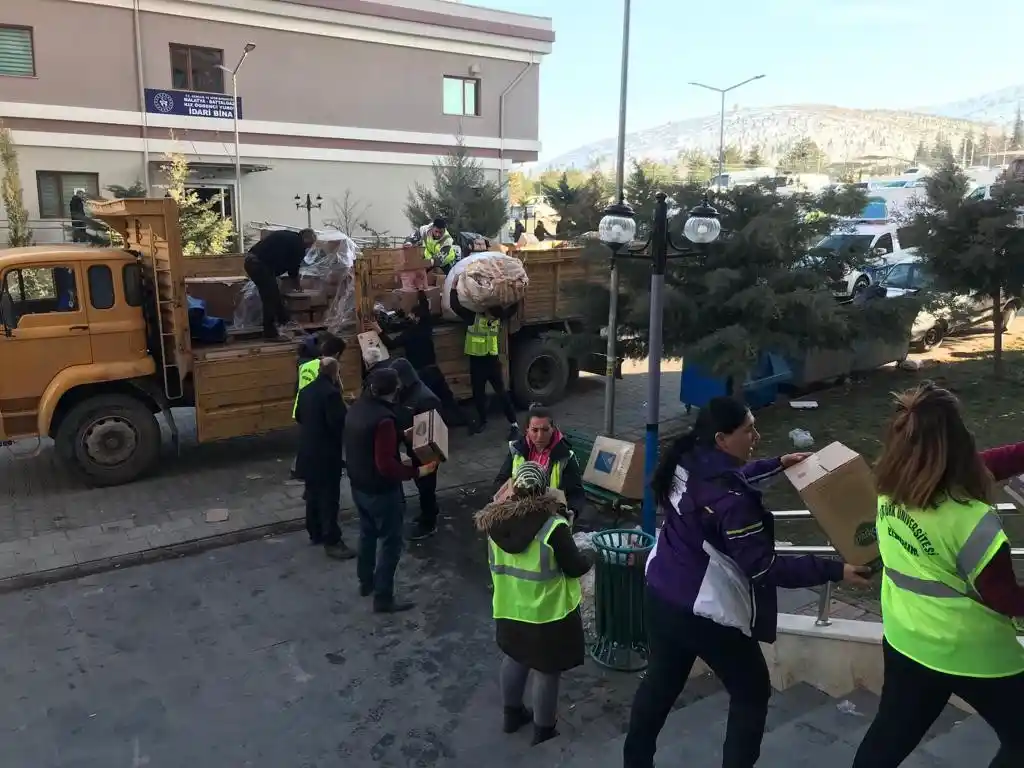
(262, 655)
(51, 525)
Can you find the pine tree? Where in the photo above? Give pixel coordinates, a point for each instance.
(97, 233)
(942, 151)
(204, 232)
(698, 167)
(1017, 138)
(984, 148)
(922, 155)
(804, 157)
(753, 290)
(754, 159)
(580, 206)
(18, 231)
(461, 193)
(973, 247)
(733, 156)
(642, 185)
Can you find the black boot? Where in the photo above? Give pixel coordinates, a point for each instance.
(516, 718)
(542, 733)
(390, 605)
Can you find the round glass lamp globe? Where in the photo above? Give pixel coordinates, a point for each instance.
(616, 230)
(701, 230)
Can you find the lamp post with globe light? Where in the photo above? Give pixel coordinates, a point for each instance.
(237, 212)
(616, 231)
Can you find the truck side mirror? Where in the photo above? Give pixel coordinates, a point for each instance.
(8, 317)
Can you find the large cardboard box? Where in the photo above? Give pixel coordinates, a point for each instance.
(617, 466)
(838, 488)
(429, 437)
(370, 340)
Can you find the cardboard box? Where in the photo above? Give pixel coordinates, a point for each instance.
(617, 466)
(429, 437)
(370, 340)
(838, 488)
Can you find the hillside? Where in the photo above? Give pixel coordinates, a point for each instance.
(842, 134)
(998, 107)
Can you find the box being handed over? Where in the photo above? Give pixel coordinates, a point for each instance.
(429, 437)
(838, 488)
(370, 340)
(617, 466)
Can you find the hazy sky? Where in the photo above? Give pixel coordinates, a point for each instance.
(853, 53)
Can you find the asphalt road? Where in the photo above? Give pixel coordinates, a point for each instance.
(264, 655)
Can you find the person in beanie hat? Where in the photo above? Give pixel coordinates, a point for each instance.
(376, 474)
(536, 569)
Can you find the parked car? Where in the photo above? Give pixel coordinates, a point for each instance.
(932, 325)
(877, 246)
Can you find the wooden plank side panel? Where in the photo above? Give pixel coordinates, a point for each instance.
(228, 265)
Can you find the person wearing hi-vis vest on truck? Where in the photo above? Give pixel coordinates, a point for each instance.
(482, 347)
(949, 594)
(535, 569)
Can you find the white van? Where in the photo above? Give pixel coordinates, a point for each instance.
(878, 244)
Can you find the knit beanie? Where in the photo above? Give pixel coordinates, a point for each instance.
(530, 477)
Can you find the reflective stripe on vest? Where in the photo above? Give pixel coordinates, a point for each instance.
(554, 472)
(482, 337)
(307, 375)
(529, 586)
(930, 609)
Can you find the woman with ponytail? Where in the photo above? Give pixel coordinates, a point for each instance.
(711, 580)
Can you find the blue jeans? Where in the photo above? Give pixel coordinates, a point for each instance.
(381, 520)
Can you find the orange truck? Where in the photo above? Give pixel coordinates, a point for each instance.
(95, 342)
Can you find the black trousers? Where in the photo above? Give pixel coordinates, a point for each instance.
(435, 381)
(323, 500)
(427, 487)
(678, 638)
(913, 696)
(274, 311)
(484, 370)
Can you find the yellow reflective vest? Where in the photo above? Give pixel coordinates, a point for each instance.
(930, 610)
(529, 586)
(307, 375)
(432, 250)
(482, 337)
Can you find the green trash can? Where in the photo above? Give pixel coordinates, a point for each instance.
(620, 629)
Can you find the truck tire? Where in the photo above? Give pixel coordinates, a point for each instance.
(540, 372)
(109, 440)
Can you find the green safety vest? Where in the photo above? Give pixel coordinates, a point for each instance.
(930, 609)
(307, 375)
(529, 586)
(482, 337)
(554, 473)
(432, 250)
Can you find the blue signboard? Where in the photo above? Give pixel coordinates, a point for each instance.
(191, 104)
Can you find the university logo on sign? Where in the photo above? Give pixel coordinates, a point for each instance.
(191, 104)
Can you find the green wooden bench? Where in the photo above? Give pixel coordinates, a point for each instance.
(583, 445)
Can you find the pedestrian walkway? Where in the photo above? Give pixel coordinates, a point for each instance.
(53, 527)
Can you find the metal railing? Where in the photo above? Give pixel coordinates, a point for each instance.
(826, 550)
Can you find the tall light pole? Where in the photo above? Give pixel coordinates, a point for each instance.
(249, 48)
(620, 195)
(309, 205)
(721, 125)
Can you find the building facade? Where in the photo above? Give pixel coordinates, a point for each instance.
(348, 100)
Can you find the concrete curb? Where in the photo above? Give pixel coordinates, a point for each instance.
(182, 549)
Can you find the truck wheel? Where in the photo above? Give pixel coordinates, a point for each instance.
(109, 440)
(540, 372)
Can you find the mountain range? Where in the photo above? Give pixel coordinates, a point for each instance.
(841, 133)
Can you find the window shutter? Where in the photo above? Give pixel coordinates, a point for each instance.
(16, 52)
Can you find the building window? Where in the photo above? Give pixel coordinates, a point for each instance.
(56, 188)
(42, 290)
(462, 96)
(101, 286)
(197, 69)
(17, 57)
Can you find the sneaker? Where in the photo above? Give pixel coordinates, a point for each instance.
(421, 531)
(338, 551)
(391, 605)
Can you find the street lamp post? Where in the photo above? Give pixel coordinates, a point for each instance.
(721, 124)
(701, 228)
(249, 48)
(309, 205)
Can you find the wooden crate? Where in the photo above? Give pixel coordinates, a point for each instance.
(228, 265)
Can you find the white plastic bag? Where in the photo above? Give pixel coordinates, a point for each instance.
(802, 439)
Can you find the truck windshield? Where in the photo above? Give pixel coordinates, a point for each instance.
(846, 243)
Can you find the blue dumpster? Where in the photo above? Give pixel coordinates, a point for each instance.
(761, 389)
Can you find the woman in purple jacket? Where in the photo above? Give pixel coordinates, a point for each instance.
(711, 581)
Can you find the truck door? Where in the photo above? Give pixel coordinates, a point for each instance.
(112, 301)
(50, 333)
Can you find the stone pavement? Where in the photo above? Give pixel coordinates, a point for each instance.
(53, 527)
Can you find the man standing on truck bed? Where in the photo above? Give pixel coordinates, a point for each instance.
(279, 253)
(438, 246)
(481, 348)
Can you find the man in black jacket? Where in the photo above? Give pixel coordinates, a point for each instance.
(415, 398)
(376, 473)
(544, 444)
(279, 253)
(321, 416)
(417, 341)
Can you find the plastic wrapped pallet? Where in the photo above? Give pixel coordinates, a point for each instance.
(327, 266)
(486, 280)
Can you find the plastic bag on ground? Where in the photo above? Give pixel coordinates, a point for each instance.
(487, 279)
(802, 439)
